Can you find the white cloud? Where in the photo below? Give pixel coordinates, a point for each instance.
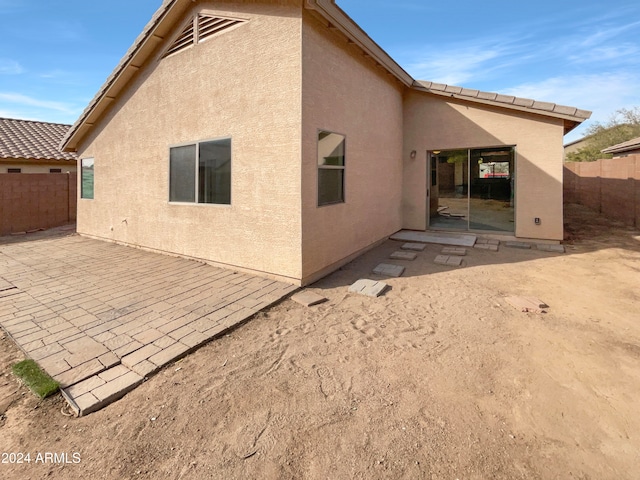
(54, 74)
(10, 67)
(604, 34)
(603, 93)
(459, 64)
(585, 43)
(9, 113)
(597, 92)
(26, 101)
(616, 54)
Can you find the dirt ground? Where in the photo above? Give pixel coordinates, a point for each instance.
(438, 379)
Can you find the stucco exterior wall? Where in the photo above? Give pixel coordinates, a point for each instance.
(345, 93)
(37, 167)
(245, 84)
(434, 123)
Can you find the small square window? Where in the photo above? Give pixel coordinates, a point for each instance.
(55, 170)
(201, 173)
(86, 185)
(331, 168)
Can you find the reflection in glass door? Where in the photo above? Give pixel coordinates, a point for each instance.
(472, 189)
(491, 193)
(449, 206)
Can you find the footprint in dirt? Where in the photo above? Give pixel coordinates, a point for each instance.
(248, 435)
(328, 384)
(369, 331)
(279, 334)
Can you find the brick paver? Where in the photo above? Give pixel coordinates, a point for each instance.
(100, 317)
(389, 270)
(449, 260)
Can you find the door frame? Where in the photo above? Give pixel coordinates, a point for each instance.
(432, 161)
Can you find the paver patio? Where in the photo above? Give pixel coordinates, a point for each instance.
(99, 317)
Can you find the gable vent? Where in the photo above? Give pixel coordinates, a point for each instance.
(184, 40)
(199, 29)
(208, 25)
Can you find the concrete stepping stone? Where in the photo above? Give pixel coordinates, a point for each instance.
(308, 298)
(487, 241)
(518, 245)
(456, 240)
(416, 247)
(369, 288)
(460, 252)
(403, 255)
(550, 248)
(389, 270)
(486, 246)
(450, 261)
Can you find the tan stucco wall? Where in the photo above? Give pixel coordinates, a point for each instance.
(36, 168)
(434, 123)
(244, 84)
(345, 93)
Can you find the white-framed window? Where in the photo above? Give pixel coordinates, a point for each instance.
(86, 178)
(331, 167)
(201, 172)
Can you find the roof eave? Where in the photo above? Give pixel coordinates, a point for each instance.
(143, 47)
(338, 19)
(570, 121)
(620, 150)
(141, 50)
(633, 144)
(37, 161)
(147, 42)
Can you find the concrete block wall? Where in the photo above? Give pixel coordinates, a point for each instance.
(608, 186)
(39, 200)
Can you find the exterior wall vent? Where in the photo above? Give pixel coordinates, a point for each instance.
(184, 40)
(209, 25)
(201, 27)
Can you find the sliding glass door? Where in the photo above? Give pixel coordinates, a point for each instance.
(472, 189)
(449, 204)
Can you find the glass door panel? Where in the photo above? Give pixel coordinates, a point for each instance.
(491, 189)
(449, 206)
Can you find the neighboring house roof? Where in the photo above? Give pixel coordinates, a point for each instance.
(162, 22)
(30, 140)
(629, 145)
(576, 145)
(576, 142)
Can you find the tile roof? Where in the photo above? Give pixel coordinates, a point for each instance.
(112, 81)
(632, 144)
(32, 140)
(509, 101)
(162, 21)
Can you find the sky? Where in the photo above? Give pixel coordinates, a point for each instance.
(55, 54)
